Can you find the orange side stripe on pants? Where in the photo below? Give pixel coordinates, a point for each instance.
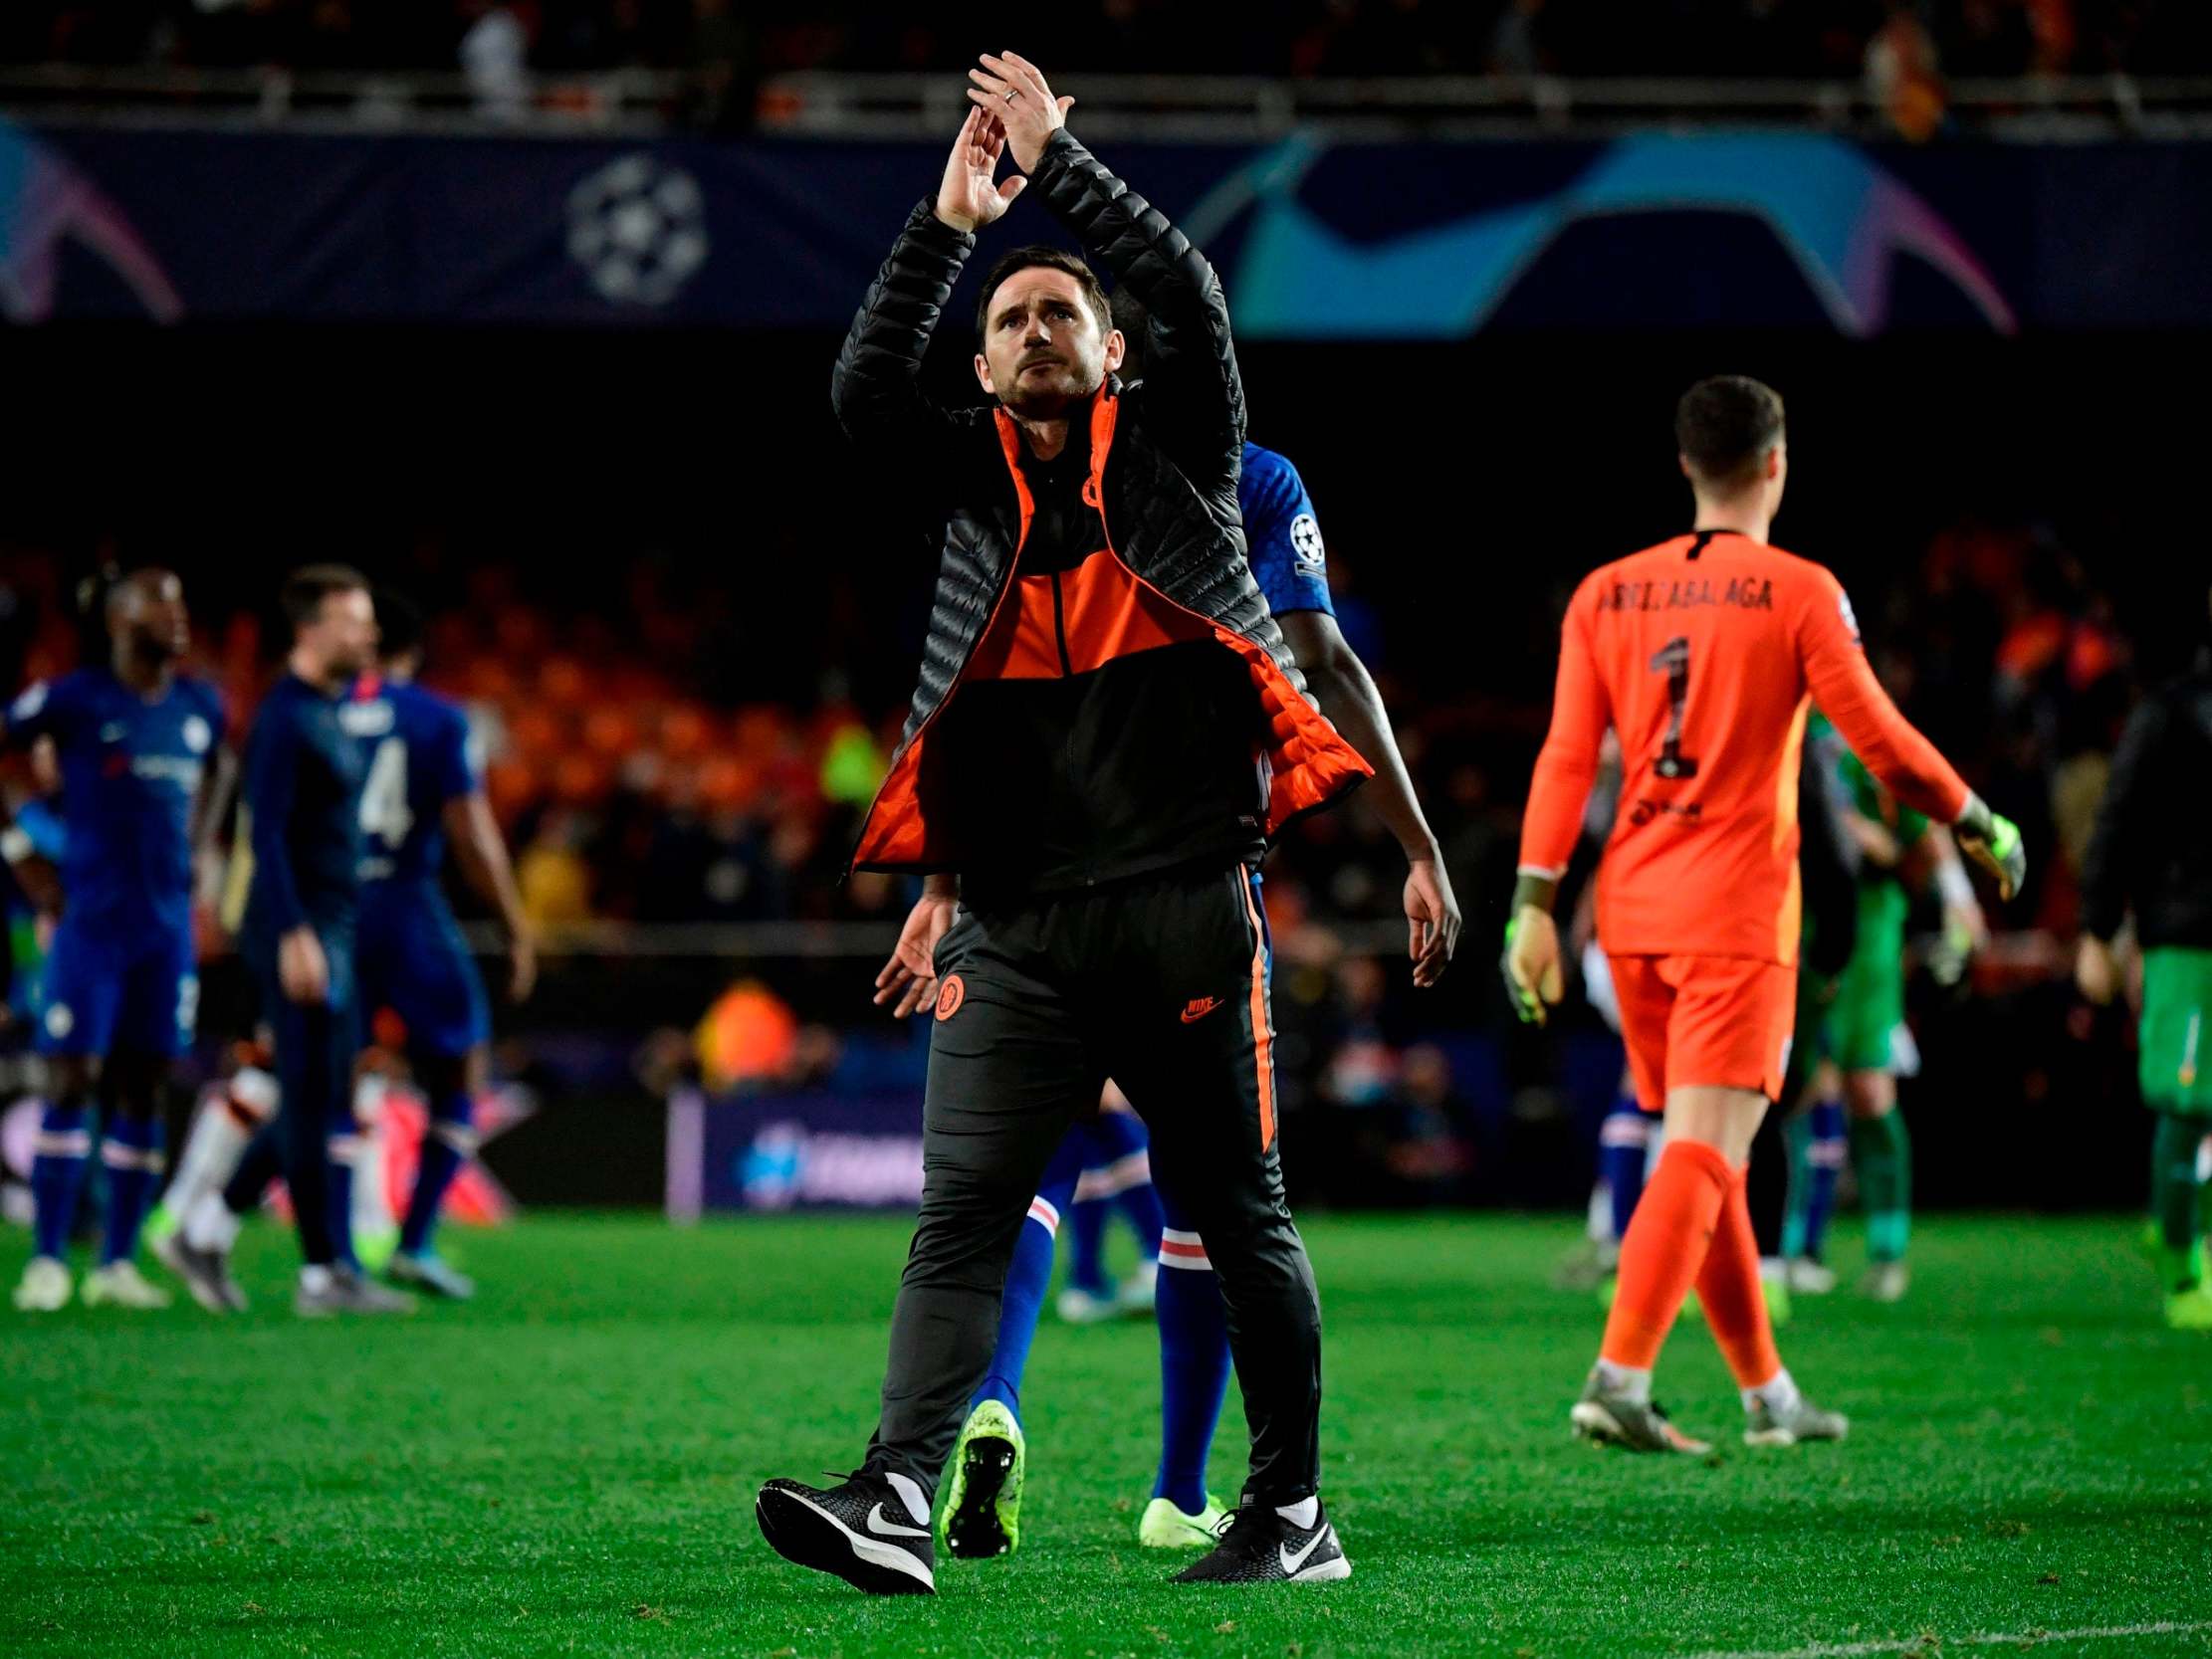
(1264, 1041)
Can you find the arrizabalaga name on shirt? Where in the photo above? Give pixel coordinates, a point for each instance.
(1743, 593)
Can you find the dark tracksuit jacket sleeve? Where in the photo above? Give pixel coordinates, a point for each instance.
(875, 387)
(1194, 397)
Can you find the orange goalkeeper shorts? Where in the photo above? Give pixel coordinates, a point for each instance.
(1712, 1021)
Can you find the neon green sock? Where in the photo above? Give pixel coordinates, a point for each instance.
(2174, 1201)
(1882, 1152)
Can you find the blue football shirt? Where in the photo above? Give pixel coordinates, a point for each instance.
(304, 766)
(414, 770)
(1282, 534)
(130, 772)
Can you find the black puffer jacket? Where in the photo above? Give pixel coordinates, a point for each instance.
(1167, 448)
(2151, 849)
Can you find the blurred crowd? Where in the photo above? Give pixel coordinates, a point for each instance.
(638, 783)
(654, 805)
(730, 44)
(1998, 644)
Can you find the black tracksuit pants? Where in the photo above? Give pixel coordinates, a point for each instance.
(1159, 983)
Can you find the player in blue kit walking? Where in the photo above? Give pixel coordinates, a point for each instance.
(142, 764)
(305, 765)
(423, 788)
(981, 1513)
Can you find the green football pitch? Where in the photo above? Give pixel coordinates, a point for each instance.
(569, 1465)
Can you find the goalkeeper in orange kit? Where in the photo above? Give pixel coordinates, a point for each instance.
(1705, 655)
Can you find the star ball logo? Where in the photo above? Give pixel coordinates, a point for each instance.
(638, 229)
(1305, 542)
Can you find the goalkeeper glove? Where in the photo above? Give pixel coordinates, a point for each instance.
(1530, 963)
(1993, 841)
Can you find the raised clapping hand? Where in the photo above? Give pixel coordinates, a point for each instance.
(968, 196)
(1014, 90)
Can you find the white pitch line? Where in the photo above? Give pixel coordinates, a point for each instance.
(1937, 1643)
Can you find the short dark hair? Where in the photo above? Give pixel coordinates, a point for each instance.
(307, 588)
(1724, 425)
(400, 625)
(1051, 258)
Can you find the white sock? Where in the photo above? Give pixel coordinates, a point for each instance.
(372, 1216)
(1778, 1391)
(1302, 1514)
(1625, 1380)
(1598, 1221)
(1773, 1270)
(315, 1279)
(211, 1153)
(209, 1224)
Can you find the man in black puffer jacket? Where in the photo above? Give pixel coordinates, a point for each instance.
(1107, 731)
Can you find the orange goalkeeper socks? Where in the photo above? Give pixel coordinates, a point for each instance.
(1733, 1296)
(1667, 1243)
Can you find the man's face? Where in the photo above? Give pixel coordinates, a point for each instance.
(149, 616)
(1042, 349)
(343, 633)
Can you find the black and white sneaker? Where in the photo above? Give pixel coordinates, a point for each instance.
(1259, 1547)
(339, 1289)
(206, 1273)
(1609, 1417)
(872, 1531)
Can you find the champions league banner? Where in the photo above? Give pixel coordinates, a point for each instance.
(801, 1151)
(1315, 241)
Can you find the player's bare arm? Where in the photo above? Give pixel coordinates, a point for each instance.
(218, 789)
(490, 873)
(1875, 845)
(1566, 771)
(1938, 854)
(1347, 693)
